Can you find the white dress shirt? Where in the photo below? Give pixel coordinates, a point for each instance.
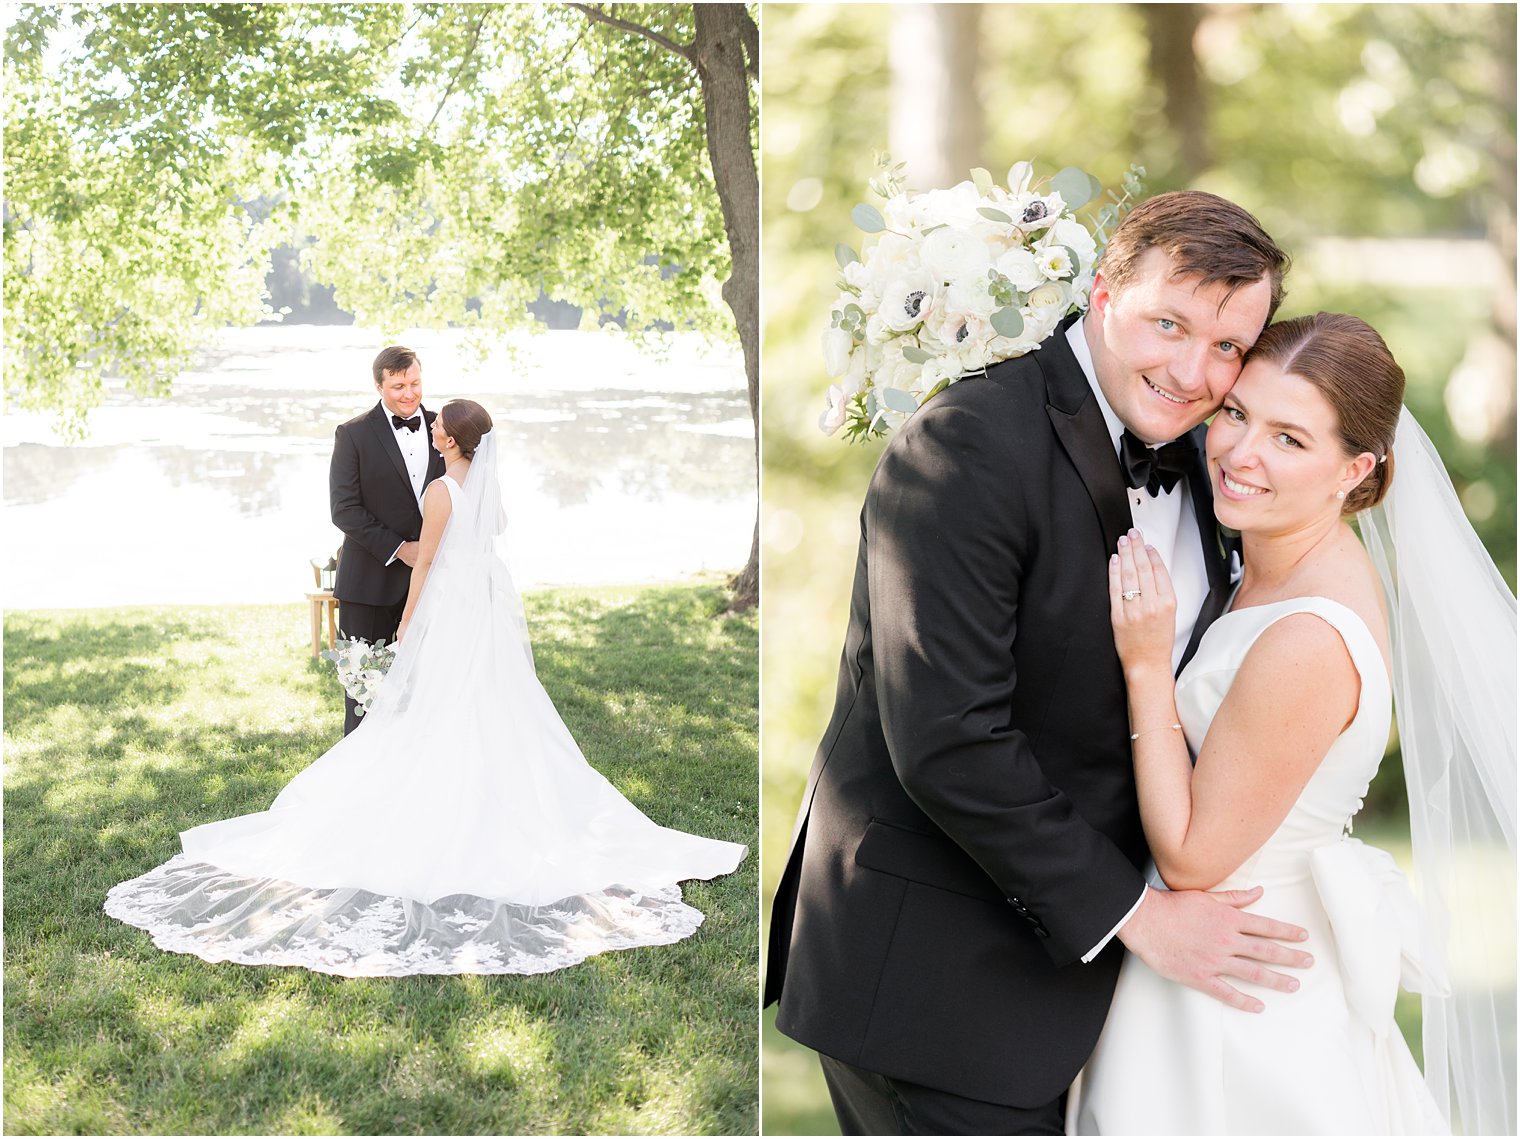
(414, 450)
(1168, 523)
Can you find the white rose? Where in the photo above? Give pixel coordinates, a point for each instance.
(1046, 306)
(836, 351)
(1020, 267)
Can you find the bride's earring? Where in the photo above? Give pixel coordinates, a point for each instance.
(1340, 494)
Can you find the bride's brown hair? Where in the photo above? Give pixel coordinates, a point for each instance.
(1345, 358)
(465, 421)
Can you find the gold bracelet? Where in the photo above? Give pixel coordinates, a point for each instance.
(1169, 727)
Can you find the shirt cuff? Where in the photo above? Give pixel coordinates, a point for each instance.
(1097, 949)
(398, 550)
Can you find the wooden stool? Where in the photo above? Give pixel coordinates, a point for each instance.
(321, 599)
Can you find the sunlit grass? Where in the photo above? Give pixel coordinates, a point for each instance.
(124, 727)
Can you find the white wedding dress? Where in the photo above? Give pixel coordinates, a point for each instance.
(1327, 1059)
(458, 829)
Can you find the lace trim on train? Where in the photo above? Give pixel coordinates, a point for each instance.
(200, 909)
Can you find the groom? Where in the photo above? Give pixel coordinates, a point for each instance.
(382, 462)
(969, 844)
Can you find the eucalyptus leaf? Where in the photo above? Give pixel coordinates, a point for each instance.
(917, 355)
(868, 218)
(1074, 186)
(844, 255)
(898, 400)
(1019, 175)
(1076, 262)
(936, 389)
(993, 215)
(982, 180)
(1008, 322)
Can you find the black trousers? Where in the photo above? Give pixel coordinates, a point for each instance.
(373, 623)
(868, 1103)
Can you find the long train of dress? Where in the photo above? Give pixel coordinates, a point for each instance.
(458, 829)
(1328, 1058)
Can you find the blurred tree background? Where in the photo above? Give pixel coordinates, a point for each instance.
(433, 164)
(1375, 142)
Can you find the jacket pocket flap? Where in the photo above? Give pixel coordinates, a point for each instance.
(930, 859)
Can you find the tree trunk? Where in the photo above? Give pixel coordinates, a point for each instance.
(718, 52)
(936, 116)
(1174, 65)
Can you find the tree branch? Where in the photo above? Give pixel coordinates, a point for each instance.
(685, 51)
(751, 38)
(464, 59)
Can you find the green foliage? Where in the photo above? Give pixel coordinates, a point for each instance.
(125, 726)
(443, 163)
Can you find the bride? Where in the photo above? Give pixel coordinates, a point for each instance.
(458, 829)
(1250, 767)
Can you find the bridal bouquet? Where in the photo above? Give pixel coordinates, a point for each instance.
(956, 280)
(361, 667)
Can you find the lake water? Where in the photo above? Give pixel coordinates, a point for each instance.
(619, 467)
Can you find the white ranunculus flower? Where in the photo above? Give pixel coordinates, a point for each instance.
(955, 206)
(857, 276)
(897, 371)
(951, 254)
(1020, 267)
(892, 254)
(836, 351)
(1055, 263)
(907, 301)
(1074, 234)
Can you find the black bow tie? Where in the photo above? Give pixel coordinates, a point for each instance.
(411, 424)
(1158, 469)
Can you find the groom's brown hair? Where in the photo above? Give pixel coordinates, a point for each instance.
(393, 359)
(1204, 235)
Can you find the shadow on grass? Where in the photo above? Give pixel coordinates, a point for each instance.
(90, 665)
(106, 1034)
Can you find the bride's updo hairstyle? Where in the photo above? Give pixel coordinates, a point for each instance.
(1348, 362)
(465, 421)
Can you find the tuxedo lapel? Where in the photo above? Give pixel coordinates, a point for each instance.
(1215, 555)
(1079, 425)
(380, 423)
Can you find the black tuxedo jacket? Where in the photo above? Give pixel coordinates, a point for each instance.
(970, 826)
(373, 504)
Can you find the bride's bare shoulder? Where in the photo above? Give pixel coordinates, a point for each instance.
(1346, 574)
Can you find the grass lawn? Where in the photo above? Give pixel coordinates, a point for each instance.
(125, 726)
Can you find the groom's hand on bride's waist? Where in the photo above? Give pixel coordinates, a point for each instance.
(1198, 939)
